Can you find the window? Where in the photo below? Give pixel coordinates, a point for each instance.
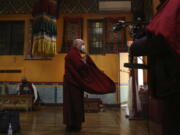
(96, 36)
(115, 42)
(33, 35)
(102, 39)
(11, 37)
(72, 30)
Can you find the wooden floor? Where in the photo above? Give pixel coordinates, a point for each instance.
(48, 121)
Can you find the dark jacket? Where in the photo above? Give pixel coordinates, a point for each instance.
(164, 72)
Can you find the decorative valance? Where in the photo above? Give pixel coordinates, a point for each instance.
(44, 28)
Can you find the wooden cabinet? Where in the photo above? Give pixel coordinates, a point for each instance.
(15, 102)
(92, 104)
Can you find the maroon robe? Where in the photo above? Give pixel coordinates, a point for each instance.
(81, 77)
(162, 46)
(167, 23)
(88, 76)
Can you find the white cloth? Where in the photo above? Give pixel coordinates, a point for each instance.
(130, 107)
(35, 92)
(130, 98)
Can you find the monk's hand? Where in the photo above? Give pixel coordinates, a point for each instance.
(84, 59)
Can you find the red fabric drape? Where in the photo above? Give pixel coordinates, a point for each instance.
(73, 20)
(116, 45)
(86, 76)
(112, 21)
(77, 31)
(78, 22)
(167, 23)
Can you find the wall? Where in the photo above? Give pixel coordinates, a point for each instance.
(155, 4)
(48, 74)
(124, 77)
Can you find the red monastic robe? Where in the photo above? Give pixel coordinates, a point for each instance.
(81, 77)
(167, 23)
(86, 76)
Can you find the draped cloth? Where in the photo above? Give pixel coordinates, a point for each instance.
(87, 76)
(80, 77)
(134, 105)
(44, 28)
(167, 23)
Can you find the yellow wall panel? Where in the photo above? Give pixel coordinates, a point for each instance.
(124, 72)
(155, 4)
(53, 70)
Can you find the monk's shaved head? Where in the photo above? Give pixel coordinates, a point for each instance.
(78, 43)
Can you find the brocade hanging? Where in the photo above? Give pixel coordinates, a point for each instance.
(44, 28)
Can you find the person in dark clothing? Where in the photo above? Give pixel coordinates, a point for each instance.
(25, 87)
(28, 88)
(161, 45)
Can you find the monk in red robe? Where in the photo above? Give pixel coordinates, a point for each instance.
(162, 46)
(81, 74)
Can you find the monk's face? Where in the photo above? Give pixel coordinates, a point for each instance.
(80, 44)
